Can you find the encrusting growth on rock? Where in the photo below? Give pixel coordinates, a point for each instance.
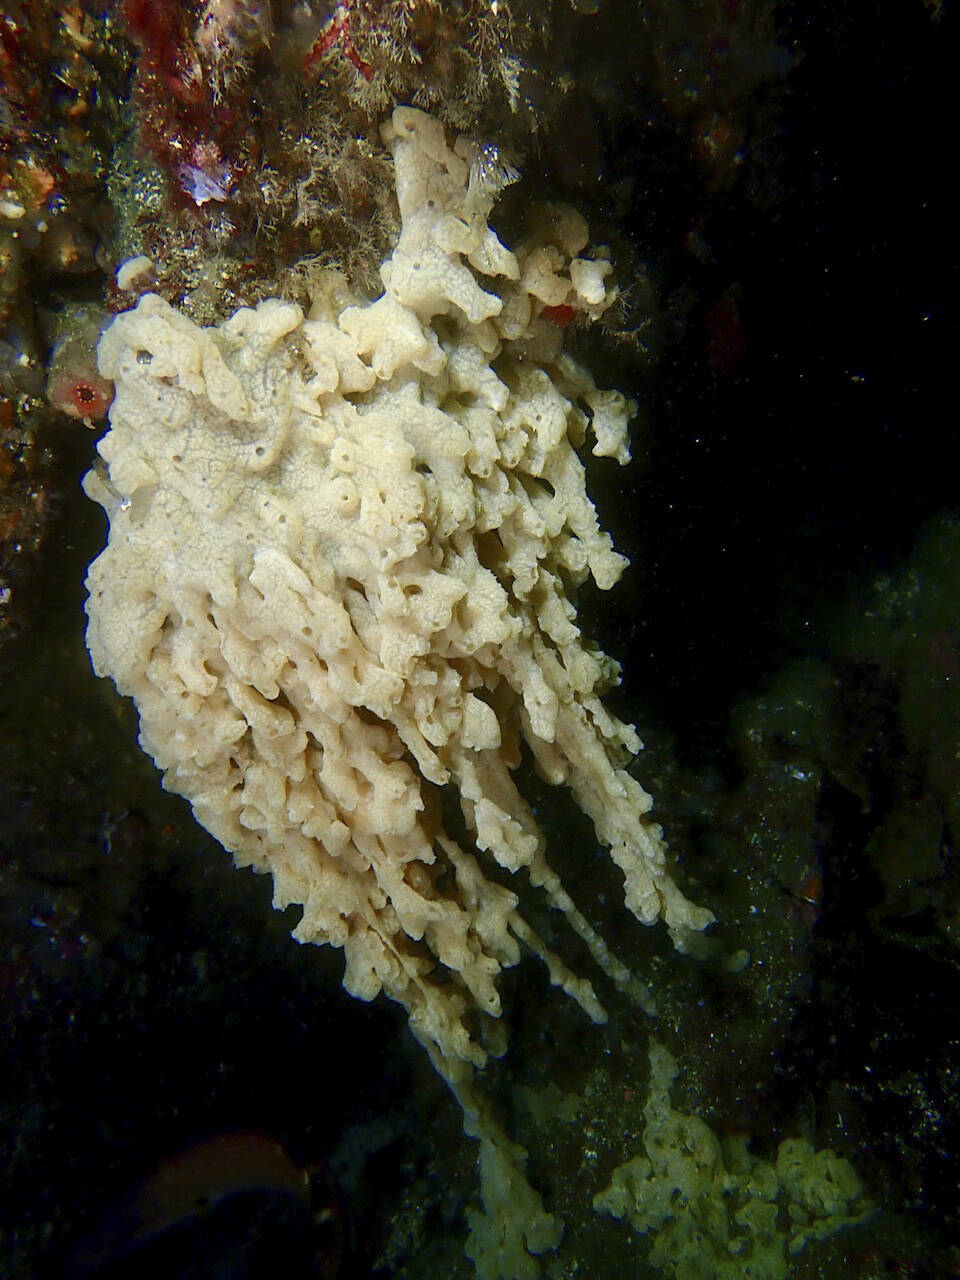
(338, 579)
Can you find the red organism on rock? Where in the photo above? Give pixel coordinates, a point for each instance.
(338, 35)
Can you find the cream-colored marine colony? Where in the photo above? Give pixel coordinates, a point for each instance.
(337, 580)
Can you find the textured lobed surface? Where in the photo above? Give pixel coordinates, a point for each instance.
(711, 1208)
(338, 579)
